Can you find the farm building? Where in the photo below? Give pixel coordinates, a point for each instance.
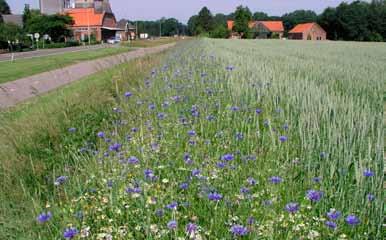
(307, 31)
(268, 29)
(87, 21)
(262, 29)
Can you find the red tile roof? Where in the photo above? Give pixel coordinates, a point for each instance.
(300, 28)
(84, 17)
(273, 26)
(230, 24)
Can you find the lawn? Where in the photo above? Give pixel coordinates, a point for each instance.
(26, 67)
(218, 139)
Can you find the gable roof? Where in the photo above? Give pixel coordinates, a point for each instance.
(14, 19)
(273, 26)
(85, 17)
(304, 27)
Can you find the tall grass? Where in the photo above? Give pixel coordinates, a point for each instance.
(221, 137)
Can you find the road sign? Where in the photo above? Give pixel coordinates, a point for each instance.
(37, 35)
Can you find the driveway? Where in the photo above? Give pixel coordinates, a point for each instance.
(22, 89)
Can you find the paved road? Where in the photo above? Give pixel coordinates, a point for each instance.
(49, 52)
(20, 90)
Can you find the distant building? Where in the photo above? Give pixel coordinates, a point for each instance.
(128, 30)
(16, 19)
(89, 22)
(268, 29)
(262, 29)
(51, 6)
(307, 31)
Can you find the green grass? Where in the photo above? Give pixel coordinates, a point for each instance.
(26, 67)
(35, 145)
(325, 97)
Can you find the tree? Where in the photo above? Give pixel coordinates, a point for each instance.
(192, 25)
(220, 19)
(56, 26)
(10, 32)
(204, 20)
(242, 17)
(328, 21)
(220, 32)
(4, 7)
(260, 16)
(290, 20)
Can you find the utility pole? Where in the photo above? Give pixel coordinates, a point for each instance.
(160, 28)
(136, 29)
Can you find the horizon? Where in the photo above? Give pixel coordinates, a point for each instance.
(183, 10)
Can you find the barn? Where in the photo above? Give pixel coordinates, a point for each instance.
(307, 31)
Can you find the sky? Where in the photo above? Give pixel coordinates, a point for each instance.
(184, 9)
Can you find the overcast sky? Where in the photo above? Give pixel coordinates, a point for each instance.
(183, 9)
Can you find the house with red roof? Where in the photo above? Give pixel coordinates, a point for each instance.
(89, 22)
(307, 31)
(263, 29)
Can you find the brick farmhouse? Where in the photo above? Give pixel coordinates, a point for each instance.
(307, 31)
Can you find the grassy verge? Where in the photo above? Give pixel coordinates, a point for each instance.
(150, 42)
(26, 67)
(35, 143)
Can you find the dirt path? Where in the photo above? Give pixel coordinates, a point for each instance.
(22, 89)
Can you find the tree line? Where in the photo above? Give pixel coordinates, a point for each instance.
(356, 21)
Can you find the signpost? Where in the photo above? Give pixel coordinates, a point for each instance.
(37, 36)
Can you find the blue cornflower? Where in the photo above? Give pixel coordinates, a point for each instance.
(314, 195)
(72, 129)
(210, 118)
(151, 106)
(172, 224)
(317, 179)
(331, 224)
(235, 108)
(191, 228)
(159, 212)
(244, 190)
(115, 147)
(251, 220)
(192, 133)
(227, 157)
(172, 206)
(161, 115)
(370, 197)
(128, 94)
(267, 202)
(251, 181)
(194, 111)
(239, 136)
(283, 138)
(149, 174)
(134, 129)
(368, 173)
(275, 179)
(323, 155)
(230, 68)
(196, 172)
(70, 233)
(352, 220)
(213, 196)
(133, 160)
(101, 134)
(333, 214)
(184, 186)
(44, 217)
(292, 207)
(134, 190)
(258, 111)
(60, 180)
(221, 164)
(239, 230)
